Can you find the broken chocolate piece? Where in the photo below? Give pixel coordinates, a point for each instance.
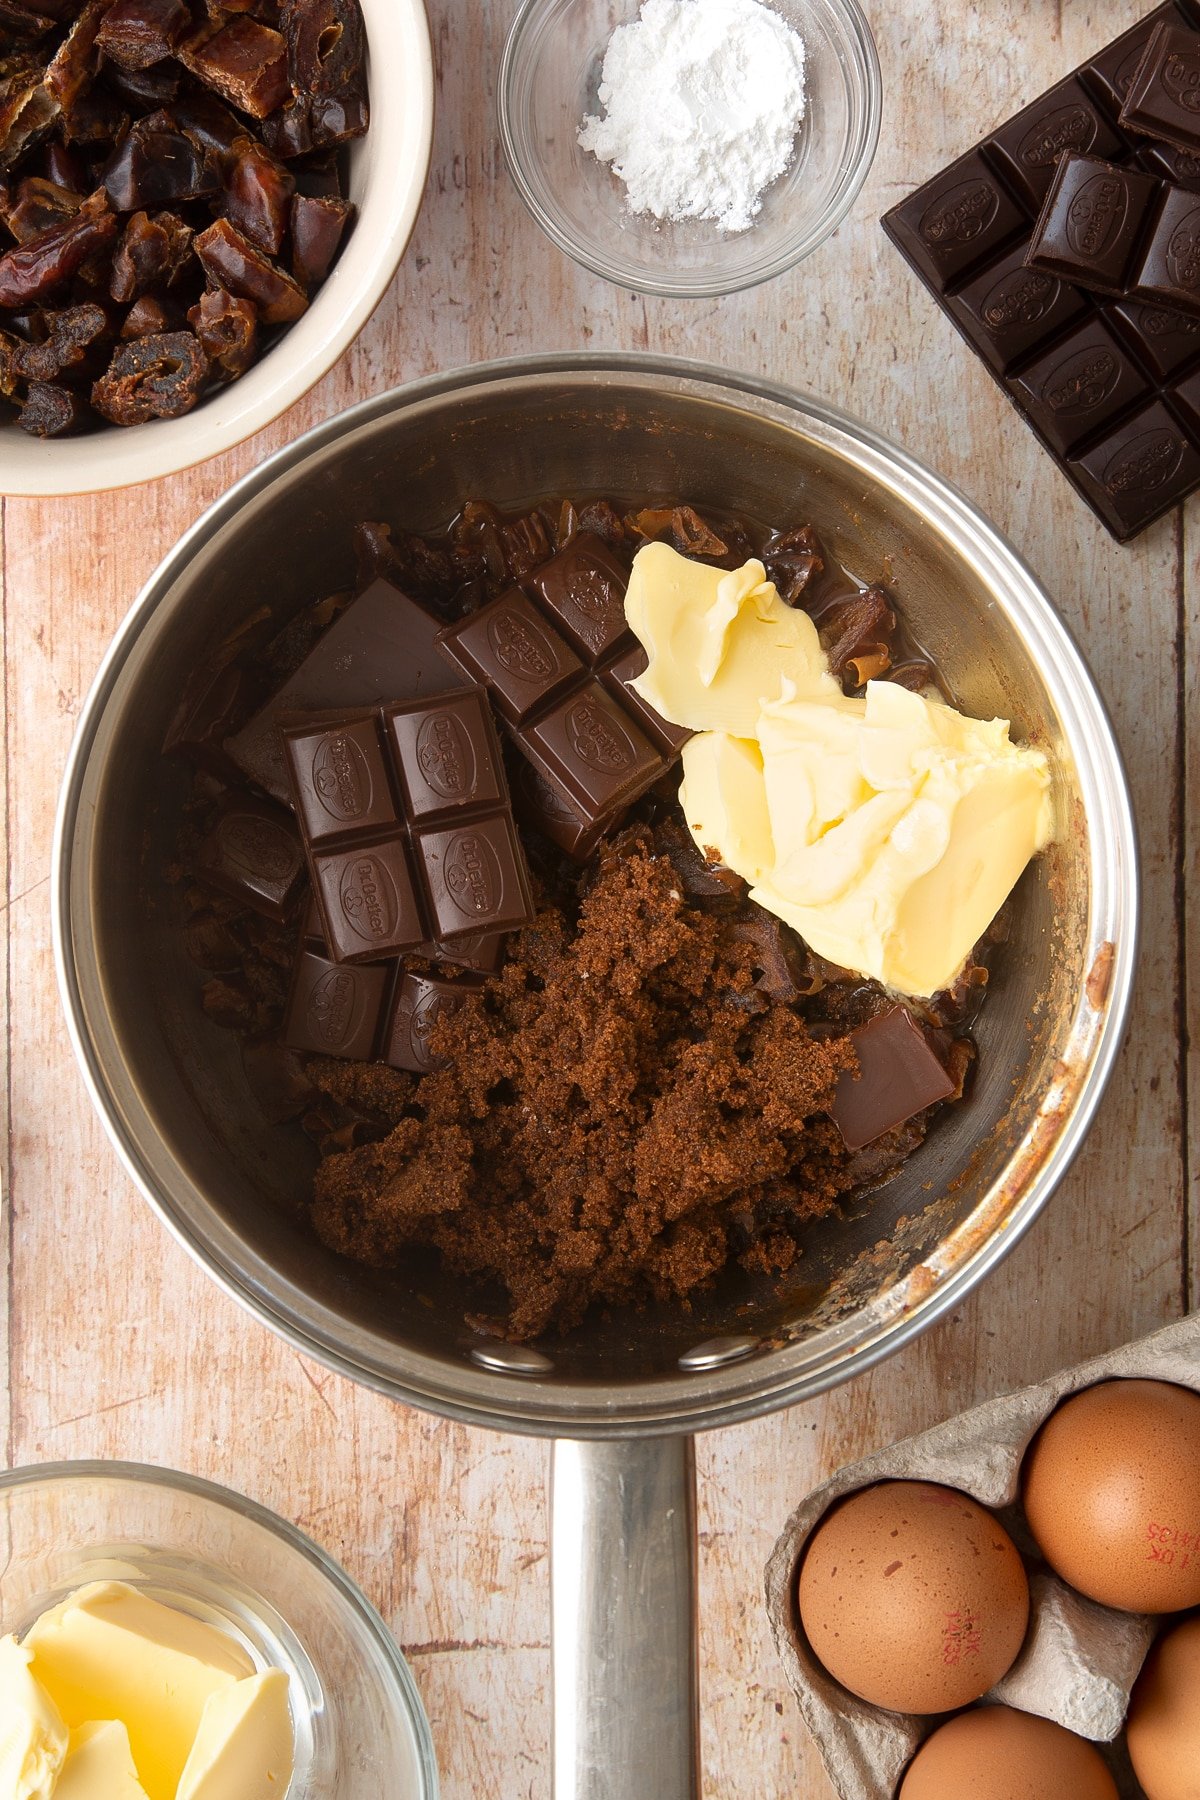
(1163, 99)
(252, 854)
(420, 1002)
(232, 261)
(1092, 222)
(152, 378)
(899, 1074)
(336, 1009)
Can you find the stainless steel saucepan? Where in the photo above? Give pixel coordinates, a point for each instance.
(621, 1395)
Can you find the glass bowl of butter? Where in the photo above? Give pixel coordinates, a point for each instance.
(165, 1639)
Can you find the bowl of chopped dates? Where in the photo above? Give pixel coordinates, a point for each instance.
(201, 203)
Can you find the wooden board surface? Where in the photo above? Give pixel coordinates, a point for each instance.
(445, 1527)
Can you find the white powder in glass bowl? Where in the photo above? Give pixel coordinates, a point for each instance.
(703, 100)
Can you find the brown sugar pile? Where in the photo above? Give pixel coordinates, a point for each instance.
(621, 1112)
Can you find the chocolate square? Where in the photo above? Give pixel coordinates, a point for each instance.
(1163, 338)
(508, 646)
(252, 854)
(1093, 221)
(955, 221)
(669, 738)
(1062, 122)
(474, 877)
(544, 804)
(899, 1074)
(334, 1009)
(1163, 98)
(1170, 163)
(1080, 385)
(483, 953)
(595, 751)
(1111, 73)
(1139, 470)
(448, 755)
(1169, 272)
(1009, 310)
(583, 589)
(420, 1001)
(367, 901)
(339, 777)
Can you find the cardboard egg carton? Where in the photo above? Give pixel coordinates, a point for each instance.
(1079, 1660)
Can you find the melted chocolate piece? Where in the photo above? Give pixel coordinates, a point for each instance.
(899, 1075)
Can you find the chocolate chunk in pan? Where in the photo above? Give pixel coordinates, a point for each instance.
(135, 34)
(252, 853)
(583, 591)
(318, 224)
(420, 1002)
(152, 378)
(231, 261)
(336, 1009)
(243, 61)
(228, 330)
(33, 272)
(899, 1074)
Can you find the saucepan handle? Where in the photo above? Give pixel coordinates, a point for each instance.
(622, 1565)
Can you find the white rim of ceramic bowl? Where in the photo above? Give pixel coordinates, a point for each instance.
(857, 33)
(213, 1493)
(391, 165)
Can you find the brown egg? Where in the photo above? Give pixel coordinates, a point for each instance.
(1111, 1488)
(1163, 1727)
(913, 1597)
(998, 1754)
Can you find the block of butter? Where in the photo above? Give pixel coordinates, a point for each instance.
(887, 829)
(113, 1695)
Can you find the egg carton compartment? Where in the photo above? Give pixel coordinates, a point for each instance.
(1079, 1660)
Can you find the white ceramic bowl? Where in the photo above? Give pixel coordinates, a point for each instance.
(388, 168)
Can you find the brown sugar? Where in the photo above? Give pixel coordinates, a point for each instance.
(621, 1112)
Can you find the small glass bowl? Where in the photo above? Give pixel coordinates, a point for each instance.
(549, 77)
(361, 1731)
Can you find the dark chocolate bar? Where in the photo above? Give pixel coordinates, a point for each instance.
(554, 655)
(899, 1074)
(1163, 98)
(1097, 377)
(407, 825)
(383, 646)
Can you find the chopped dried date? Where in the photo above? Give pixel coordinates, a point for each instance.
(318, 177)
(150, 316)
(526, 543)
(915, 675)
(374, 551)
(208, 123)
(326, 66)
(97, 117)
(28, 113)
(138, 33)
(231, 261)
(227, 328)
(337, 118)
(157, 85)
(603, 519)
(694, 538)
(22, 25)
(793, 560)
(152, 378)
(861, 625)
(567, 527)
(33, 271)
(40, 206)
(317, 229)
(151, 253)
(76, 60)
(10, 381)
(243, 61)
(288, 132)
(64, 169)
(257, 195)
(70, 335)
(156, 168)
(51, 412)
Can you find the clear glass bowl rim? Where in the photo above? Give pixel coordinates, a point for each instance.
(857, 32)
(214, 1493)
